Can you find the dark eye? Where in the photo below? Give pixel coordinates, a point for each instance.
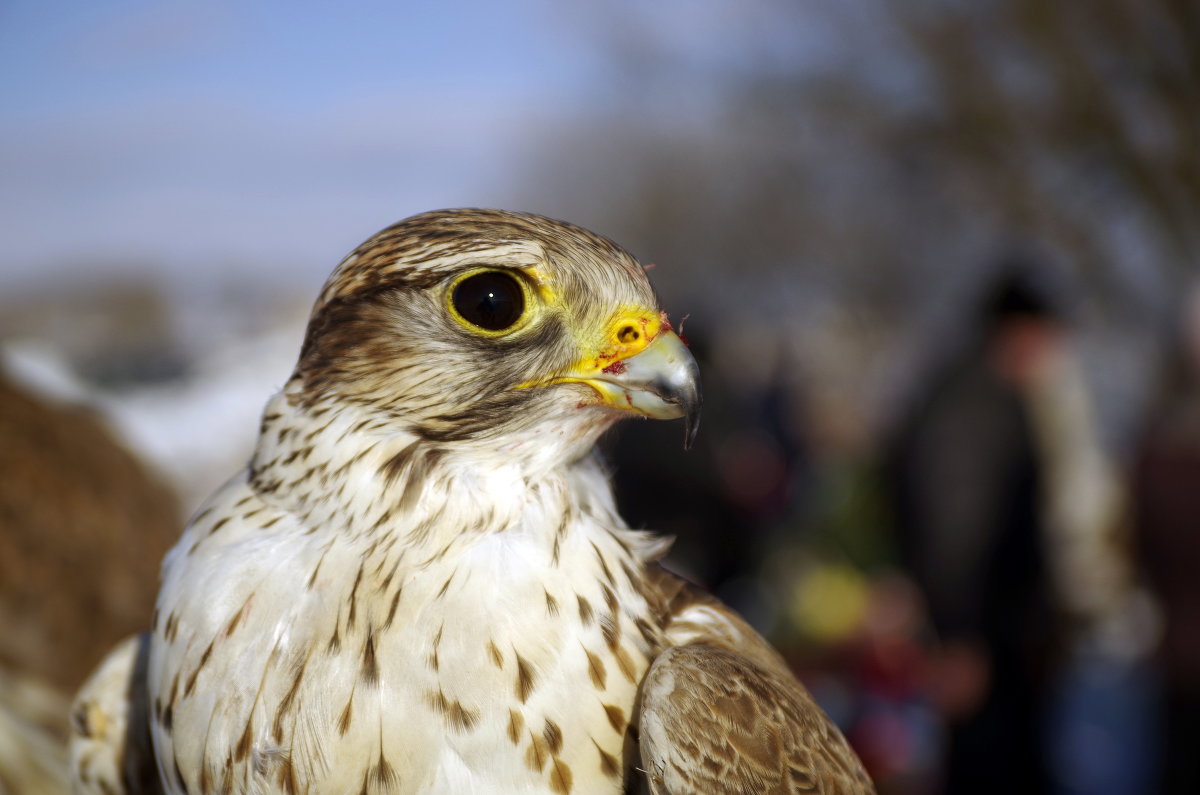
(490, 300)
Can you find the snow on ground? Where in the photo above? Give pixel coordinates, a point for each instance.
(198, 431)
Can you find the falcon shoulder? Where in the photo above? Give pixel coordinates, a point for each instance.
(721, 713)
(110, 749)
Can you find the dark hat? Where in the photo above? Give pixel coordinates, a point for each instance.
(1022, 288)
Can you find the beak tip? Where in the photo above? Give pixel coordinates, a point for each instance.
(691, 420)
(689, 435)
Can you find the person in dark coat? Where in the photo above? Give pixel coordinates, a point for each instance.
(965, 476)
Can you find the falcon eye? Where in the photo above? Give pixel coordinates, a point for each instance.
(490, 300)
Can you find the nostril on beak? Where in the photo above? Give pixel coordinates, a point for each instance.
(627, 334)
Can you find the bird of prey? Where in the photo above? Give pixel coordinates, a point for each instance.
(421, 584)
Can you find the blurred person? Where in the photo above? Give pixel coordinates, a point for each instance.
(1005, 508)
(1100, 732)
(967, 489)
(1166, 503)
(895, 731)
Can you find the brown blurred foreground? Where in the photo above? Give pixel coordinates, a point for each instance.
(83, 527)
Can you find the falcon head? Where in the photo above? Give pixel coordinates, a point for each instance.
(495, 329)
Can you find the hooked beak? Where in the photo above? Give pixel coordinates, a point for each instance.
(661, 381)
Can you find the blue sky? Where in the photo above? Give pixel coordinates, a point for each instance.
(197, 135)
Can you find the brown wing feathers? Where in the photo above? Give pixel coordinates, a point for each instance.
(721, 713)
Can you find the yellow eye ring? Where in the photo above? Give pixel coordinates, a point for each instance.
(492, 302)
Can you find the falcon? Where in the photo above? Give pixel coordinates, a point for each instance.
(421, 584)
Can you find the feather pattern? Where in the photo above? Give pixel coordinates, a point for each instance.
(421, 584)
(721, 713)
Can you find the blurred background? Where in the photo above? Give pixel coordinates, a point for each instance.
(938, 260)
